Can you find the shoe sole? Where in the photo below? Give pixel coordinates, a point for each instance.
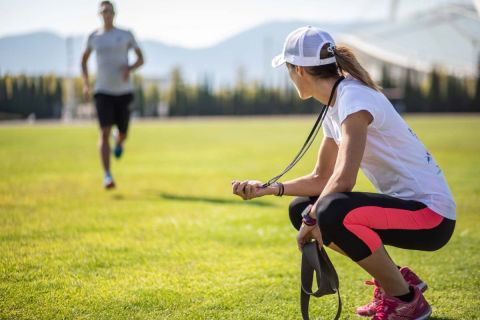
(423, 317)
(364, 315)
(110, 186)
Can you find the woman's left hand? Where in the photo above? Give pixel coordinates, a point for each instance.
(250, 189)
(307, 233)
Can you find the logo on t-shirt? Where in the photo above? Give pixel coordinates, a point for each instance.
(429, 159)
(413, 133)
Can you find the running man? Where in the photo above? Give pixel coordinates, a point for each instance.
(413, 209)
(113, 90)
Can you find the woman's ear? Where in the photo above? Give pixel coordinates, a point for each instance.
(300, 71)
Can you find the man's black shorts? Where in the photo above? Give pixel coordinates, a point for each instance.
(113, 110)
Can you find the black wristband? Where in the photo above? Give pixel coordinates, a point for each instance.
(281, 189)
(309, 221)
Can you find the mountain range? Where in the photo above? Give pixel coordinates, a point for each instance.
(248, 52)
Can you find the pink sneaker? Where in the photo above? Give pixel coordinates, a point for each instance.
(391, 308)
(369, 309)
(410, 277)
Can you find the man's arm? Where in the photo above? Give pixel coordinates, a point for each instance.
(140, 61)
(86, 84)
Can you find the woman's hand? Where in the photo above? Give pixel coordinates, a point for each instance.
(250, 189)
(307, 233)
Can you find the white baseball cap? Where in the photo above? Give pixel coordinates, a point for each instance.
(302, 48)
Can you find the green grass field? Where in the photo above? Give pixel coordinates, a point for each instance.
(171, 242)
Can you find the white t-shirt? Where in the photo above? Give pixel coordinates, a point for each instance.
(395, 160)
(111, 48)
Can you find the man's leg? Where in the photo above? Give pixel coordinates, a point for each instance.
(122, 136)
(106, 118)
(122, 120)
(104, 148)
(119, 140)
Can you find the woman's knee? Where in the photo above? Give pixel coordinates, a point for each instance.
(330, 211)
(296, 208)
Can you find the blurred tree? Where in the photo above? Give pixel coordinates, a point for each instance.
(177, 95)
(3, 95)
(152, 99)
(239, 93)
(138, 104)
(434, 95)
(386, 81)
(40, 98)
(475, 103)
(207, 104)
(22, 95)
(410, 94)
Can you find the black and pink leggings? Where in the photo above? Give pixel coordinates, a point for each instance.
(360, 222)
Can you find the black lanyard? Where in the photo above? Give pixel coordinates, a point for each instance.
(311, 136)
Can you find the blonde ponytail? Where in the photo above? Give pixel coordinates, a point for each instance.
(348, 64)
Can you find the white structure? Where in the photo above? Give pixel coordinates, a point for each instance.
(446, 36)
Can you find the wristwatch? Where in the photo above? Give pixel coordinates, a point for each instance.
(309, 221)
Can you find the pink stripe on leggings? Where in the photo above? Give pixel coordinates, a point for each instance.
(361, 221)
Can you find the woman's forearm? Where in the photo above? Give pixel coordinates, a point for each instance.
(307, 186)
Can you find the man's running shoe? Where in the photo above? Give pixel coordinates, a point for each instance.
(108, 182)
(118, 151)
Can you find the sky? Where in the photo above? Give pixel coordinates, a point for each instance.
(187, 23)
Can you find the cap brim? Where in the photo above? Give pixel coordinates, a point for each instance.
(278, 61)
